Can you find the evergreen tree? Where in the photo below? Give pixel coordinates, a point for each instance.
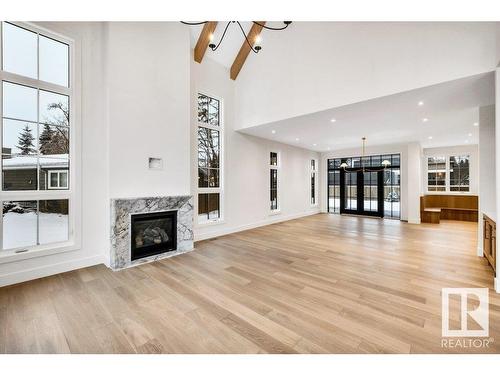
(46, 140)
(25, 140)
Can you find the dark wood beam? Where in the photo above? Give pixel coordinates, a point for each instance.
(204, 40)
(245, 49)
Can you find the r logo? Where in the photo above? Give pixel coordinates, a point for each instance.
(479, 315)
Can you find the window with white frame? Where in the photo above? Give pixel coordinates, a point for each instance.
(313, 182)
(209, 159)
(36, 93)
(448, 173)
(274, 180)
(58, 179)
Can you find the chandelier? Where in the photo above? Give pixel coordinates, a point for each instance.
(385, 163)
(255, 46)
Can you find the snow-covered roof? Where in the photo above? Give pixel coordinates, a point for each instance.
(30, 161)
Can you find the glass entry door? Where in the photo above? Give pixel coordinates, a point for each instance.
(361, 192)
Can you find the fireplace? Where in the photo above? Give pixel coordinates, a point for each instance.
(153, 233)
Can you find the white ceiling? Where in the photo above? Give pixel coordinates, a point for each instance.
(232, 42)
(451, 109)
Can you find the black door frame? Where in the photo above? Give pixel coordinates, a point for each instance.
(360, 183)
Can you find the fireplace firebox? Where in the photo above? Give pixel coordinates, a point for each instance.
(153, 233)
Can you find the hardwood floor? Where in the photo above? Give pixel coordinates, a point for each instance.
(320, 284)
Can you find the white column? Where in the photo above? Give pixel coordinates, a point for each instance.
(497, 162)
(414, 181)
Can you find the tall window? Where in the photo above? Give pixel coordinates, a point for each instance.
(448, 173)
(209, 159)
(37, 181)
(273, 180)
(313, 182)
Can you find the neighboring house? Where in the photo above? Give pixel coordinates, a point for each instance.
(20, 171)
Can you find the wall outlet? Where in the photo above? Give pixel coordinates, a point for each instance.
(156, 164)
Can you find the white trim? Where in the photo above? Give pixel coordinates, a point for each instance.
(496, 284)
(261, 223)
(48, 270)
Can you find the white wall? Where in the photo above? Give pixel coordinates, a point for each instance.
(497, 162)
(314, 66)
(410, 174)
(487, 175)
(246, 164)
(148, 101)
(471, 150)
(94, 166)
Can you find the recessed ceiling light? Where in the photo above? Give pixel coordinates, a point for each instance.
(273, 131)
(297, 139)
(476, 124)
(429, 137)
(333, 120)
(470, 134)
(466, 141)
(425, 119)
(314, 144)
(420, 103)
(329, 148)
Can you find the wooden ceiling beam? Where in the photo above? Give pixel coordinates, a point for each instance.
(204, 40)
(245, 49)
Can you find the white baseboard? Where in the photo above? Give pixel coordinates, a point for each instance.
(48, 270)
(497, 285)
(272, 220)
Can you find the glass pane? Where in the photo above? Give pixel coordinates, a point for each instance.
(19, 224)
(202, 207)
(203, 108)
(63, 179)
(54, 140)
(208, 147)
(19, 102)
(19, 50)
(213, 112)
(19, 172)
(54, 108)
(273, 158)
(376, 161)
(57, 164)
(213, 177)
(53, 220)
(396, 160)
(19, 138)
(213, 206)
(202, 177)
(54, 61)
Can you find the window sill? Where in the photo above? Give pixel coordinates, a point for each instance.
(8, 256)
(449, 193)
(274, 212)
(210, 223)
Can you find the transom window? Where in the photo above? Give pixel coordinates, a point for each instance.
(448, 173)
(209, 159)
(36, 96)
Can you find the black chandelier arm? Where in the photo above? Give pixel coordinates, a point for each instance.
(194, 23)
(214, 47)
(246, 38)
(287, 23)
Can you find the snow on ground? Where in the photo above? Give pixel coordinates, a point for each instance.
(387, 205)
(19, 230)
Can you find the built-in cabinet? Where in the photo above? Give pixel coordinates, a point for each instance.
(489, 240)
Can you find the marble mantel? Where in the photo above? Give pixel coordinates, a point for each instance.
(121, 209)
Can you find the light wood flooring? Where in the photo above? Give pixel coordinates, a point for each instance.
(320, 284)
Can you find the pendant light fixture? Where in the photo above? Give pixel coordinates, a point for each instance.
(254, 45)
(385, 163)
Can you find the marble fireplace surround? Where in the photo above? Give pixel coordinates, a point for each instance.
(121, 209)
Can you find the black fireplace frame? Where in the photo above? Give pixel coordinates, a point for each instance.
(154, 249)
